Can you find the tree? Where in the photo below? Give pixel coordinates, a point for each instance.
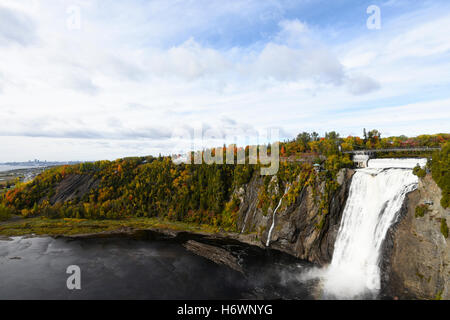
(333, 135)
(314, 136)
(374, 134)
(304, 138)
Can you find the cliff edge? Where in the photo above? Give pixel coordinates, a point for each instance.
(298, 229)
(417, 259)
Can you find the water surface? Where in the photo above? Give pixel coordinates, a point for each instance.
(121, 268)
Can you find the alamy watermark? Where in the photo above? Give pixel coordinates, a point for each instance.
(73, 21)
(374, 20)
(74, 280)
(264, 152)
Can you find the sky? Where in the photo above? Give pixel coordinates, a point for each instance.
(103, 79)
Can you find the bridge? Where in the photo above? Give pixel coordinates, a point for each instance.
(362, 157)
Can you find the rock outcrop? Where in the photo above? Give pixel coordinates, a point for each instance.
(416, 255)
(416, 262)
(215, 254)
(296, 226)
(72, 187)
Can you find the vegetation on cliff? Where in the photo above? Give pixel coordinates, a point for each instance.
(150, 187)
(421, 210)
(153, 187)
(313, 144)
(5, 212)
(156, 187)
(420, 172)
(440, 170)
(137, 187)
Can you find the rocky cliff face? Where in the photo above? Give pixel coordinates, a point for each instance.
(416, 255)
(72, 187)
(416, 262)
(296, 230)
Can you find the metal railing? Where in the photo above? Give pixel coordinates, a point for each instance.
(392, 150)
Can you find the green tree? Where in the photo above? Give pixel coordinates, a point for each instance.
(440, 170)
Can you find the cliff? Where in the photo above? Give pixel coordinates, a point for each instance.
(416, 255)
(297, 228)
(73, 187)
(416, 262)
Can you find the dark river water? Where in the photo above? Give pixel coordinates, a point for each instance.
(124, 268)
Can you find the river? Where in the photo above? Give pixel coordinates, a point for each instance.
(123, 268)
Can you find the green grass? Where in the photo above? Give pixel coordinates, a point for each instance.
(5, 213)
(53, 227)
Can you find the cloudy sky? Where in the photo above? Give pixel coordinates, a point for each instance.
(102, 79)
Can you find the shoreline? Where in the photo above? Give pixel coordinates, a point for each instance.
(218, 247)
(131, 228)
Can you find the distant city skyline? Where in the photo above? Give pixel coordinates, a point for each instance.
(91, 80)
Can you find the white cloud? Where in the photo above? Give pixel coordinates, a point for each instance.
(360, 84)
(151, 71)
(15, 28)
(282, 63)
(189, 61)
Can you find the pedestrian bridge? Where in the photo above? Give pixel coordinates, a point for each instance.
(362, 157)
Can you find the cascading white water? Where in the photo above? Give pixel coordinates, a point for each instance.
(269, 236)
(375, 198)
(245, 222)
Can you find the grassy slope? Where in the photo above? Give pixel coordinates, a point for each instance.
(53, 227)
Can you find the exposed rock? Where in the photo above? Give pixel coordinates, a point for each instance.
(416, 262)
(72, 187)
(296, 230)
(213, 253)
(250, 216)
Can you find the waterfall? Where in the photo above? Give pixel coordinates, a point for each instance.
(273, 217)
(375, 198)
(245, 222)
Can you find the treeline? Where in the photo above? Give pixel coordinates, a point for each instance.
(140, 187)
(156, 187)
(329, 144)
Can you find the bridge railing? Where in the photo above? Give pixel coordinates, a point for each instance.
(392, 150)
